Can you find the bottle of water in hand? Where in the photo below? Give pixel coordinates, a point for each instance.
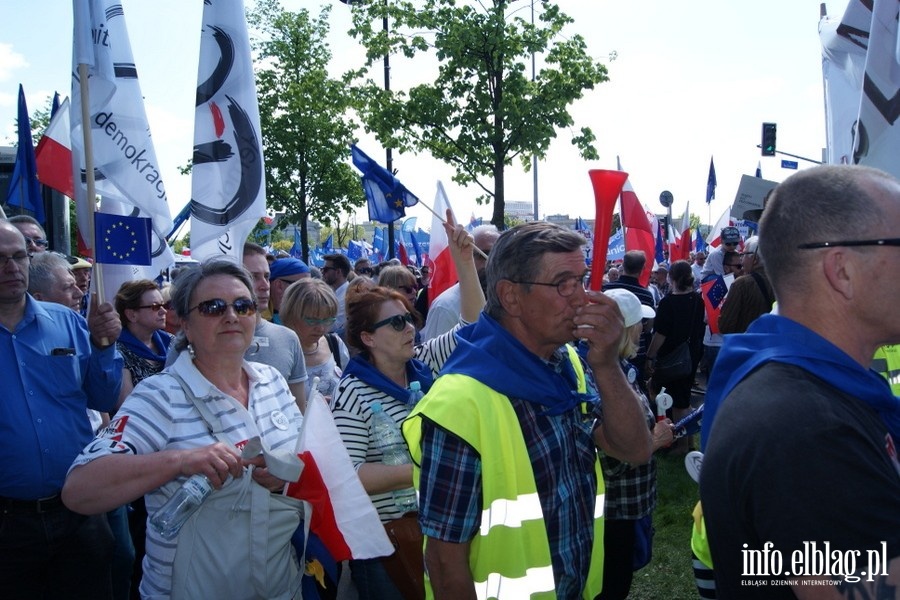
(172, 515)
(387, 437)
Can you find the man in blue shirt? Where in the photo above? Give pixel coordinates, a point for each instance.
(56, 366)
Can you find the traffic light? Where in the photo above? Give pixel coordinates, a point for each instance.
(768, 139)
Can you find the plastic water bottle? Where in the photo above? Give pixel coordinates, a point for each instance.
(415, 393)
(168, 520)
(389, 440)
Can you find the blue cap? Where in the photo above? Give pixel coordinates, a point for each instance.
(285, 267)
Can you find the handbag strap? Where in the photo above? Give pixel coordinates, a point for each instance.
(213, 421)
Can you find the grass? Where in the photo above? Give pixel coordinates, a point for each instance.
(670, 576)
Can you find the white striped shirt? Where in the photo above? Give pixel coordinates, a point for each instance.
(158, 416)
(353, 415)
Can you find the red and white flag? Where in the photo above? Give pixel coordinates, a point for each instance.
(343, 516)
(228, 186)
(54, 153)
(443, 271)
(639, 234)
(681, 249)
(715, 237)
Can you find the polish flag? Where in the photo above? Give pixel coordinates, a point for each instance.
(638, 231)
(54, 153)
(343, 516)
(681, 250)
(714, 239)
(443, 272)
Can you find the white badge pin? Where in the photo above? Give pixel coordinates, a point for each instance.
(279, 420)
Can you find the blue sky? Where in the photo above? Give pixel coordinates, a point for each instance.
(690, 80)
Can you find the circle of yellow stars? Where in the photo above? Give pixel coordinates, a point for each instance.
(128, 235)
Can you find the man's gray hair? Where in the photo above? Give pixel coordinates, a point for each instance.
(517, 255)
(43, 270)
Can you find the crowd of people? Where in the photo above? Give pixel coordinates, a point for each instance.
(531, 408)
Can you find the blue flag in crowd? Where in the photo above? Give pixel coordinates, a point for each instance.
(355, 250)
(717, 292)
(386, 197)
(24, 190)
(711, 182)
(379, 243)
(122, 240)
(297, 249)
(660, 256)
(700, 245)
(326, 245)
(616, 247)
(416, 249)
(759, 170)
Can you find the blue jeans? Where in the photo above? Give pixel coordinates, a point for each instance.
(55, 554)
(372, 580)
(123, 553)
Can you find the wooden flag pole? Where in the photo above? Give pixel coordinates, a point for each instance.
(91, 194)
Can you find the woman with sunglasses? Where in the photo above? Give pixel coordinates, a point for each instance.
(190, 420)
(380, 325)
(144, 341)
(309, 307)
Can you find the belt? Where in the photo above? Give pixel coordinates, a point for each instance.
(30, 507)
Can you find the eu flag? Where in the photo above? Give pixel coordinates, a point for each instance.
(122, 240)
(24, 190)
(387, 198)
(711, 182)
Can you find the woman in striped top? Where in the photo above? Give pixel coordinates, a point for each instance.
(380, 325)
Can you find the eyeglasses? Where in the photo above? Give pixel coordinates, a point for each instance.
(328, 321)
(243, 307)
(326, 269)
(158, 305)
(850, 243)
(397, 322)
(364, 271)
(564, 287)
(38, 242)
(20, 259)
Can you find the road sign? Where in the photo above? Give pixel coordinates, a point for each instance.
(789, 164)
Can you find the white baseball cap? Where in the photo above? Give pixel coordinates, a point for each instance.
(631, 307)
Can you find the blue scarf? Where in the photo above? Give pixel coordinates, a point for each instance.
(489, 354)
(772, 338)
(161, 341)
(365, 371)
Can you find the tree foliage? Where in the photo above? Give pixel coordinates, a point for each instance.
(482, 110)
(303, 112)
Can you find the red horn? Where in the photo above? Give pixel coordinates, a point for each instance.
(607, 186)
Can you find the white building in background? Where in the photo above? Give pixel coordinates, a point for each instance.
(522, 210)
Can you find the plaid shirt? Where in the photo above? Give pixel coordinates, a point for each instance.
(562, 454)
(630, 490)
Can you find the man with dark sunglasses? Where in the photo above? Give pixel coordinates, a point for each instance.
(730, 237)
(750, 296)
(56, 367)
(801, 437)
(35, 237)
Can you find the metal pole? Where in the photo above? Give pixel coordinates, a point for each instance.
(534, 160)
(388, 156)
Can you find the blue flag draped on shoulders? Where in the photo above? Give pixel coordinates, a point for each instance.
(24, 190)
(387, 198)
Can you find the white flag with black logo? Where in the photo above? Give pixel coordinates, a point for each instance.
(228, 185)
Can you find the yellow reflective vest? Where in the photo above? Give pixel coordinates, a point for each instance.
(510, 555)
(887, 363)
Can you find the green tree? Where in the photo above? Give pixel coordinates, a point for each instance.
(482, 110)
(303, 113)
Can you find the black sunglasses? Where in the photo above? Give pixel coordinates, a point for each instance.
(850, 243)
(397, 322)
(156, 306)
(243, 307)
